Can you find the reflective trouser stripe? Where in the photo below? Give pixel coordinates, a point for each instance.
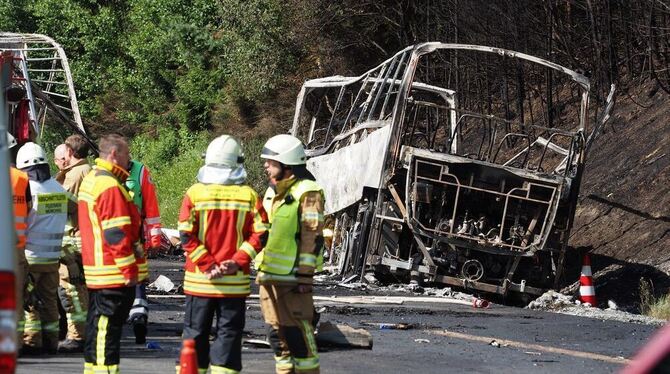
(103, 369)
(76, 317)
(222, 370)
(177, 369)
(32, 325)
(101, 340)
(283, 363)
(312, 361)
(51, 326)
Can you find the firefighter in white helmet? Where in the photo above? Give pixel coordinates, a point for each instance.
(295, 204)
(222, 226)
(46, 223)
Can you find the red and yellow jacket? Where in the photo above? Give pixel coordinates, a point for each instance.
(218, 223)
(109, 224)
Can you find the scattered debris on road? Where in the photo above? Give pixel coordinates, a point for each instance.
(162, 283)
(342, 336)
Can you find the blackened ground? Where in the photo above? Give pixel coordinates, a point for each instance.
(445, 337)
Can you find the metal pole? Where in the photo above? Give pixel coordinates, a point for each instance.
(7, 247)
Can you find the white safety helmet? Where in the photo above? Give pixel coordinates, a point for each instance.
(224, 151)
(285, 149)
(30, 154)
(11, 141)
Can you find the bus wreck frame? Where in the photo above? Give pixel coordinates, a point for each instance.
(418, 185)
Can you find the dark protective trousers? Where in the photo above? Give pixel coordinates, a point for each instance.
(225, 352)
(107, 312)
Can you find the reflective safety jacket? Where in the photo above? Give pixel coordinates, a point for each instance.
(296, 241)
(218, 223)
(143, 191)
(71, 179)
(46, 222)
(109, 225)
(21, 194)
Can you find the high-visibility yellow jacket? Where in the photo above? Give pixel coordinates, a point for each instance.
(109, 224)
(296, 241)
(218, 223)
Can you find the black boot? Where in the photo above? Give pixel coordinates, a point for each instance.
(140, 329)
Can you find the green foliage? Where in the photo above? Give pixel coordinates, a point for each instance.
(174, 157)
(253, 163)
(144, 59)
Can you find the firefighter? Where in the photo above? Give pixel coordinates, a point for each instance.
(109, 225)
(22, 203)
(288, 261)
(222, 226)
(143, 192)
(70, 158)
(46, 223)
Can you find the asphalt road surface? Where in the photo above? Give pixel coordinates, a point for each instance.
(444, 338)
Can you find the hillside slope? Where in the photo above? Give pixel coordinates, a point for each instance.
(624, 207)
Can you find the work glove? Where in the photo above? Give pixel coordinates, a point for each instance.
(75, 273)
(74, 269)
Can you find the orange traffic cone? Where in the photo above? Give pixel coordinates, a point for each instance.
(188, 361)
(587, 293)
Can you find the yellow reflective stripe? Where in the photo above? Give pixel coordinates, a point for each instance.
(219, 205)
(259, 225)
(203, 226)
(197, 253)
(241, 215)
(185, 226)
(216, 289)
(51, 326)
(101, 341)
(237, 284)
(312, 362)
(97, 235)
(273, 255)
(307, 259)
(115, 222)
(106, 369)
(32, 325)
(285, 363)
(105, 280)
(125, 261)
(266, 277)
(88, 368)
(248, 249)
(72, 197)
(237, 278)
(305, 364)
(222, 370)
(41, 261)
(101, 269)
(86, 197)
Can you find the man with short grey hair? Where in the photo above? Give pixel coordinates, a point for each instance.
(72, 290)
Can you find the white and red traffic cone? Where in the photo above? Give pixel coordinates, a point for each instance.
(587, 292)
